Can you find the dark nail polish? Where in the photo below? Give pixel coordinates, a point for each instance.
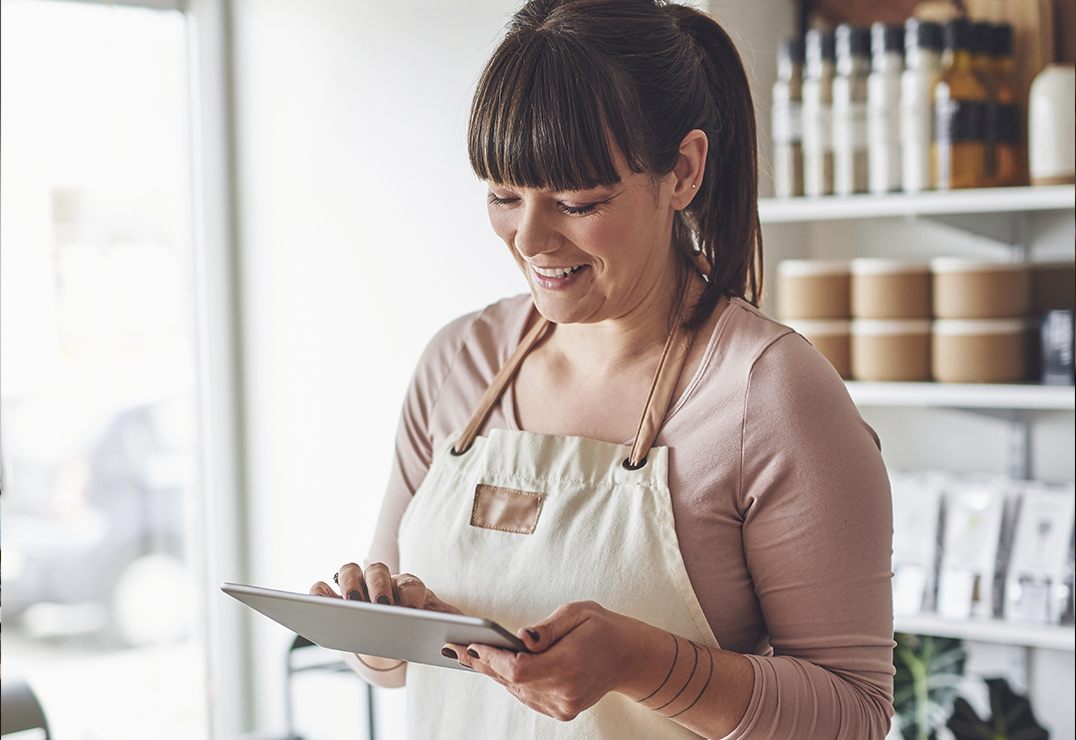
(533, 633)
(382, 599)
(449, 653)
(354, 595)
(472, 653)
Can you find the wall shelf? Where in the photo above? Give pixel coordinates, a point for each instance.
(964, 395)
(997, 631)
(938, 203)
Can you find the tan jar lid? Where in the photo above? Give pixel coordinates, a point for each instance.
(878, 266)
(977, 327)
(808, 268)
(975, 264)
(890, 327)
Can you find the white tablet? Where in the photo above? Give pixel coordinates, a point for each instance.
(374, 629)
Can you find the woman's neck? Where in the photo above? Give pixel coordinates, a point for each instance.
(631, 340)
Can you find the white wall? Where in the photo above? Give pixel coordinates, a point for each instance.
(363, 231)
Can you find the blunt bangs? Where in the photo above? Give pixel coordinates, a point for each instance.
(545, 115)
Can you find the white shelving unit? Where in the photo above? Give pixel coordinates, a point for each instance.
(953, 202)
(964, 396)
(1001, 214)
(995, 630)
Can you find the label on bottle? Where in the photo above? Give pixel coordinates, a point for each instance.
(787, 119)
(1006, 123)
(959, 120)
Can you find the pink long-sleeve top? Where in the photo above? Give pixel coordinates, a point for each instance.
(780, 496)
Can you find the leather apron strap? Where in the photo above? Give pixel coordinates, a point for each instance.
(671, 364)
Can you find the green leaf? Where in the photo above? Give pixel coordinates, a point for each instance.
(1012, 718)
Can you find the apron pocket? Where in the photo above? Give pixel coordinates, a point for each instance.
(505, 509)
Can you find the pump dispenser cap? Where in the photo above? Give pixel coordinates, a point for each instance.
(923, 35)
(852, 41)
(791, 50)
(981, 36)
(958, 34)
(886, 39)
(820, 46)
(1001, 40)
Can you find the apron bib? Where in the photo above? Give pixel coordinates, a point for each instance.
(515, 524)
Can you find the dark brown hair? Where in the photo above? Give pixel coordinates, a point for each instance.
(574, 78)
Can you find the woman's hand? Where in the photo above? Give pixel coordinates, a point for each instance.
(378, 586)
(581, 652)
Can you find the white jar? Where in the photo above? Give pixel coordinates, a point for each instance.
(1052, 126)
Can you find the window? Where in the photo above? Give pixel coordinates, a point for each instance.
(98, 382)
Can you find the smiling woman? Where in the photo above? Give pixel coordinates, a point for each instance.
(631, 462)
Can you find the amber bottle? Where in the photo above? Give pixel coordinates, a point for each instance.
(1006, 115)
(959, 112)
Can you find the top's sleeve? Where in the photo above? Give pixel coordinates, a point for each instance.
(817, 530)
(414, 444)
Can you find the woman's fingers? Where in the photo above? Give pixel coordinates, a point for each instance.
(350, 578)
(323, 589)
(411, 591)
(378, 583)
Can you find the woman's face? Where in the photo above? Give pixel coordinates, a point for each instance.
(616, 237)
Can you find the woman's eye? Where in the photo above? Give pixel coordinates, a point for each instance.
(493, 199)
(578, 210)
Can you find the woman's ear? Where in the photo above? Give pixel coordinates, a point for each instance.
(689, 169)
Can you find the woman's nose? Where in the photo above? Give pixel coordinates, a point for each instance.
(535, 233)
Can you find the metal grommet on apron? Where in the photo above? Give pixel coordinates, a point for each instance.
(513, 525)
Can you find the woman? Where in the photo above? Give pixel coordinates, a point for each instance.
(719, 568)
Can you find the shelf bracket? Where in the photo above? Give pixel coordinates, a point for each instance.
(1018, 423)
(1008, 229)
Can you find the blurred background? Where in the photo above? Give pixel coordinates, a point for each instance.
(229, 227)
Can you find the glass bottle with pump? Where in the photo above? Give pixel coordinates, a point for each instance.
(959, 102)
(922, 67)
(980, 37)
(787, 121)
(883, 108)
(817, 114)
(1008, 151)
(850, 110)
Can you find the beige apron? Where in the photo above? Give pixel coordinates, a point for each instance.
(513, 525)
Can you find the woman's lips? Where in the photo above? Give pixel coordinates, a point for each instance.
(551, 283)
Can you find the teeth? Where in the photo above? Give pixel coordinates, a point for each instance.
(556, 272)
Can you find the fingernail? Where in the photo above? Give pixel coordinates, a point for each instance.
(449, 653)
(533, 633)
(354, 595)
(472, 653)
(382, 599)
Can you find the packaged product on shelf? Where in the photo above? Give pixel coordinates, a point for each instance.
(1051, 123)
(850, 110)
(1057, 339)
(922, 67)
(818, 114)
(974, 512)
(883, 108)
(831, 337)
(812, 289)
(1004, 117)
(891, 349)
(787, 121)
(979, 288)
(890, 289)
(980, 37)
(916, 509)
(1036, 588)
(959, 105)
(1053, 286)
(979, 350)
